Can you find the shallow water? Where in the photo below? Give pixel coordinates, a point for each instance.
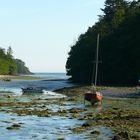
(52, 127)
(48, 85)
(36, 127)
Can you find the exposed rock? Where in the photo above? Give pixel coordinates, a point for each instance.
(121, 136)
(87, 124)
(75, 110)
(71, 99)
(14, 126)
(60, 139)
(77, 130)
(116, 138)
(95, 132)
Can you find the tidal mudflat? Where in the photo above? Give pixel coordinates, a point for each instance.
(63, 115)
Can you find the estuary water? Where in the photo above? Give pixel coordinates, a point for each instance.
(47, 116)
(51, 75)
(49, 82)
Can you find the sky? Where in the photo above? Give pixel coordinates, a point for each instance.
(41, 32)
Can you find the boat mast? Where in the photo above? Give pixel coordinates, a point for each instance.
(96, 70)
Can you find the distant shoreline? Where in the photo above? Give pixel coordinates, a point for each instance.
(19, 77)
(108, 92)
(29, 77)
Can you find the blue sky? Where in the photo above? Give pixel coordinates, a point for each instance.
(41, 32)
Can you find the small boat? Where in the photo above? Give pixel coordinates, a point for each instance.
(32, 90)
(93, 96)
(6, 79)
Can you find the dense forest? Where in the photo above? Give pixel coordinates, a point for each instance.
(119, 51)
(9, 65)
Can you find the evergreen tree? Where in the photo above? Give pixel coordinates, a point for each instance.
(119, 46)
(9, 52)
(8, 64)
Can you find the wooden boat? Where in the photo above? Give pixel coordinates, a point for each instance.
(32, 90)
(93, 96)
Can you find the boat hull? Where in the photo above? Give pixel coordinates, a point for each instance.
(93, 97)
(31, 90)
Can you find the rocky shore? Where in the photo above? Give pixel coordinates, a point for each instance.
(119, 111)
(121, 116)
(123, 92)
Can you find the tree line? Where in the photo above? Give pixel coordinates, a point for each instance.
(9, 65)
(119, 50)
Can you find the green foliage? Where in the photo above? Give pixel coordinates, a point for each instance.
(8, 64)
(119, 47)
(21, 68)
(9, 52)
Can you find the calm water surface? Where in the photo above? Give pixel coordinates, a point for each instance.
(51, 82)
